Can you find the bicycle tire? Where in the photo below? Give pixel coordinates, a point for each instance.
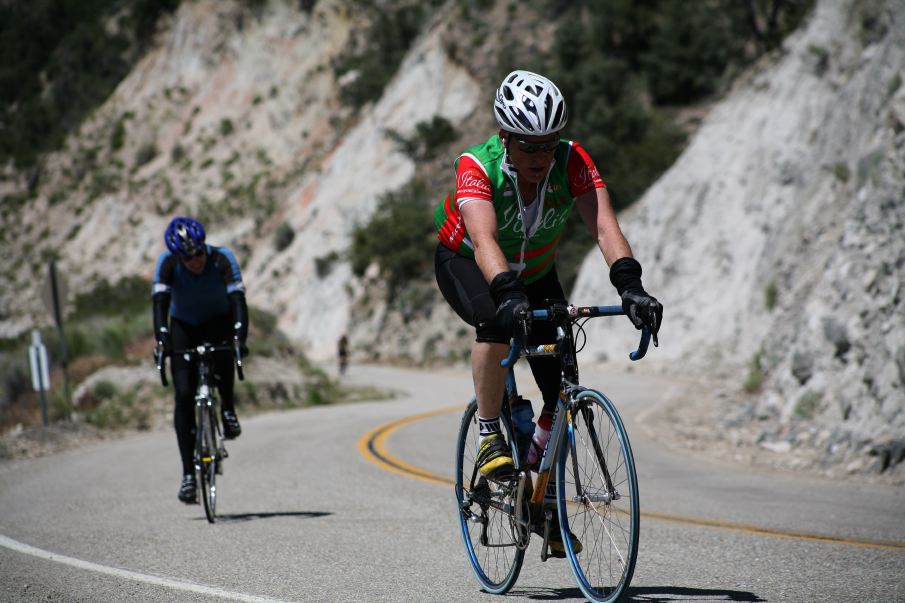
(497, 563)
(208, 459)
(598, 462)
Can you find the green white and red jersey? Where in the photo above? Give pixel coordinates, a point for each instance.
(528, 235)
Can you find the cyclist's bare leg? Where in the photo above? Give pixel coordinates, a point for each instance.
(489, 377)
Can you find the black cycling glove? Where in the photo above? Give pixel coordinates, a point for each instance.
(511, 299)
(641, 307)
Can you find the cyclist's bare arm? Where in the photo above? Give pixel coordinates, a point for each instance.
(481, 224)
(599, 218)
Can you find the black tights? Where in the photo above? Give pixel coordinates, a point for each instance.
(185, 378)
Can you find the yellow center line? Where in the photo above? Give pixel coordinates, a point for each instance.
(373, 447)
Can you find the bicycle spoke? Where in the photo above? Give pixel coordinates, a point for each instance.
(600, 500)
(487, 529)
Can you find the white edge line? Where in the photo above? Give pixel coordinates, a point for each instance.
(129, 575)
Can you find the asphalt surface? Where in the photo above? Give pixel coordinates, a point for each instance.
(308, 514)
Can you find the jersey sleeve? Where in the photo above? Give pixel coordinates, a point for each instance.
(229, 268)
(582, 173)
(163, 273)
(472, 182)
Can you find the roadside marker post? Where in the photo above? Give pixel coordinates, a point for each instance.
(40, 373)
(54, 295)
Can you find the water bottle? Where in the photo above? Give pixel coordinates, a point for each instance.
(523, 422)
(541, 437)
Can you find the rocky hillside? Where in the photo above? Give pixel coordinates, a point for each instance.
(234, 117)
(774, 241)
(776, 245)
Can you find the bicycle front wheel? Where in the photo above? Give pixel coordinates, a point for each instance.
(598, 498)
(492, 539)
(208, 458)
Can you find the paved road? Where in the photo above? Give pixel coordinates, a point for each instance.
(308, 515)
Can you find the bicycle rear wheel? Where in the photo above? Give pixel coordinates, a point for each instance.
(489, 531)
(208, 457)
(597, 492)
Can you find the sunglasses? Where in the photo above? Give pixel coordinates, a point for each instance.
(536, 147)
(189, 258)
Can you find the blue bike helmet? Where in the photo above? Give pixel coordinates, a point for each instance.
(185, 237)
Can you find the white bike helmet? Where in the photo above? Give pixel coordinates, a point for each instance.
(530, 104)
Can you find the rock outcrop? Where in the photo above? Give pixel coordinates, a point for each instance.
(776, 241)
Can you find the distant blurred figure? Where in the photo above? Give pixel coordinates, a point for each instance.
(198, 297)
(342, 352)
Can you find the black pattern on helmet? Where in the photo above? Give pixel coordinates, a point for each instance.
(530, 104)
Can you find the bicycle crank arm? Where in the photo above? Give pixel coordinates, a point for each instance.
(548, 518)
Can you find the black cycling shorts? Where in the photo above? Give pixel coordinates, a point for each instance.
(465, 289)
(468, 293)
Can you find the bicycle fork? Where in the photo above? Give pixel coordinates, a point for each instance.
(610, 494)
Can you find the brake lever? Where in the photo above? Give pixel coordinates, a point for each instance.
(160, 360)
(237, 348)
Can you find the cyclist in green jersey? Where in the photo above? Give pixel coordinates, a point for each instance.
(498, 236)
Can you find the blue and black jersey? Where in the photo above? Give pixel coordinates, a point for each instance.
(198, 298)
(190, 309)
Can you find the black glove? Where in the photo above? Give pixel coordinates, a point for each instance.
(509, 295)
(641, 308)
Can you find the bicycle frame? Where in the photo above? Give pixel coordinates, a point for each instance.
(591, 455)
(565, 317)
(209, 451)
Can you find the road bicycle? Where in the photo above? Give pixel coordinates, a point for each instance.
(209, 449)
(595, 481)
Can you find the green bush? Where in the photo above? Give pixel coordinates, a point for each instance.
(105, 320)
(610, 58)
(841, 171)
(755, 379)
(262, 320)
(145, 154)
(807, 405)
(123, 410)
(428, 139)
(400, 236)
(385, 43)
(323, 265)
(630, 143)
(226, 127)
(128, 295)
(104, 390)
(60, 408)
(770, 295)
(688, 51)
(118, 136)
(60, 61)
(283, 237)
